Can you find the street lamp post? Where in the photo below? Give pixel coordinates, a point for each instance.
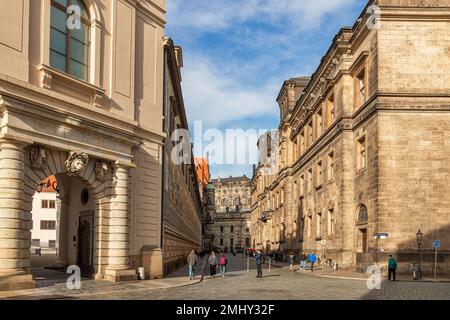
(419, 236)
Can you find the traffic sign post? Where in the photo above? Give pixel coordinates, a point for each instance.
(436, 245)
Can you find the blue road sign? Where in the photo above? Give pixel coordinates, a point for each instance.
(437, 244)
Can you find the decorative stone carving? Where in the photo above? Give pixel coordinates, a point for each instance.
(38, 157)
(101, 170)
(46, 80)
(76, 162)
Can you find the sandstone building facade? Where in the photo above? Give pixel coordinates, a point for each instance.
(230, 220)
(363, 147)
(82, 97)
(182, 203)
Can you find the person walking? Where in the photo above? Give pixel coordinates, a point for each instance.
(312, 259)
(212, 261)
(192, 260)
(223, 262)
(303, 259)
(259, 261)
(392, 267)
(291, 259)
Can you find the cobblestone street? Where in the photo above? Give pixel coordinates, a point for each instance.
(280, 283)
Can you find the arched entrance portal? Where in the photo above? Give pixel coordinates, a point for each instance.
(63, 230)
(22, 170)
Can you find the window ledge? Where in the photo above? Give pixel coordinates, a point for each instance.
(50, 74)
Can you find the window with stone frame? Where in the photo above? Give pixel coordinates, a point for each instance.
(69, 46)
(363, 216)
(331, 111)
(319, 122)
(361, 161)
(310, 133)
(330, 222)
(319, 225)
(310, 179)
(361, 88)
(319, 174)
(302, 142)
(302, 186)
(309, 227)
(330, 168)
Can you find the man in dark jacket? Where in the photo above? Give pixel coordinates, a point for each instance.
(259, 262)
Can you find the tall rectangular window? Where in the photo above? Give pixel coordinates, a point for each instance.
(302, 186)
(310, 133)
(309, 228)
(44, 204)
(330, 110)
(319, 122)
(232, 229)
(361, 92)
(302, 142)
(331, 166)
(362, 153)
(319, 225)
(52, 204)
(319, 174)
(310, 179)
(330, 222)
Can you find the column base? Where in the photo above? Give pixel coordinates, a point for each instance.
(152, 260)
(120, 275)
(17, 282)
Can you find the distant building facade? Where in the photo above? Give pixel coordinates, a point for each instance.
(231, 217)
(45, 215)
(363, 146)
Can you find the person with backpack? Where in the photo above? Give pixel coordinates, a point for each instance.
(392, 267)
(192, 260)
(212, 261)
(223, 262)
(312, 259)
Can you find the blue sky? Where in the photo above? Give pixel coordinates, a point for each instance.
(237, 53)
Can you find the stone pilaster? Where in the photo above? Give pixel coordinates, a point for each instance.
(62, 261)
(15, 222)
(119, 237)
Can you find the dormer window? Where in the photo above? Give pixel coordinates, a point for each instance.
(69, 38)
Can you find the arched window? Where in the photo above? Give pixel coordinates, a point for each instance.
(247, 242)
(237, 201)
(224, 202)
(69, 37)
(363, 216)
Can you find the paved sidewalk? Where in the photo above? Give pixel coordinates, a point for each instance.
(353, 275)
(51, 284)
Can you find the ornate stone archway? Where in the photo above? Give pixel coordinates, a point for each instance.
(22, 169)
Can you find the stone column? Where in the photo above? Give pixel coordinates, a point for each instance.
(119, 238)
(64, 203)
(15, 222)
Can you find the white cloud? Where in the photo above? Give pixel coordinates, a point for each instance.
(215, 96)
(215, 15)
